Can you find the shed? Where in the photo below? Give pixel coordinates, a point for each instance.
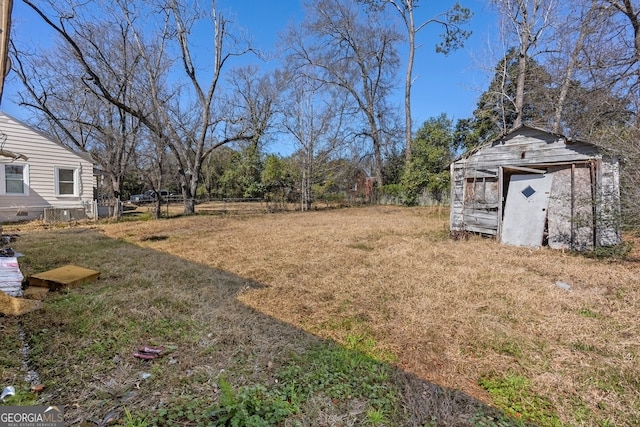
(531, 188)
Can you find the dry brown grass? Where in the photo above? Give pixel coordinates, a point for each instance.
(447, 311)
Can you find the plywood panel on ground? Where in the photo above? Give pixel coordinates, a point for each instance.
(67, 276)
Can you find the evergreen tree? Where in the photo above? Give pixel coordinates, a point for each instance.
(432, 151)
(496, 111)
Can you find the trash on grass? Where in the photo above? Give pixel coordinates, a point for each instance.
(563, 285)
(10, 276)
(8, 391)
(149, 352)
(10, 306)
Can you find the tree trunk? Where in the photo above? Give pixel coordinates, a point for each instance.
(189, 189)
(573, 61)
(408, 82)
(522, 72)
(116, 186)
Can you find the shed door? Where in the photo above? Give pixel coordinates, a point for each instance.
(525, 211)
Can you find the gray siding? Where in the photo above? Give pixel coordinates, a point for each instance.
(44, 156)
(526, 147)
(608, 204)
(476, 180)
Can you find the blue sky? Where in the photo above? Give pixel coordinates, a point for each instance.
(443, 84)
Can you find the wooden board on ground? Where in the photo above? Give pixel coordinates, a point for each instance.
(67, 276)
(10, 306)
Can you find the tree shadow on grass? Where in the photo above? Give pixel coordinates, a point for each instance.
(223, 360)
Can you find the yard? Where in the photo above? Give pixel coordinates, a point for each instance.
(341, 317)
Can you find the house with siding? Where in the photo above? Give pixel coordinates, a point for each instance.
(532, 188)
(41, 178)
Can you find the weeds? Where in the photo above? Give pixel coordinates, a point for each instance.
(362, 246)
(253, 406)
(185, 409)
(328, 370)
(23, 397)
(513, 394)
(508, 347)
(342, 374)
(376, 417)
(130, 421)
(620, 251)
(587, 312)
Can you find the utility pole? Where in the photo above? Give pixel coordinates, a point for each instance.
(5, 25)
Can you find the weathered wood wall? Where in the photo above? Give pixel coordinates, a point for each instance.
(476, 182)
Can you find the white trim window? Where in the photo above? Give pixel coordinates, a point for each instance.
(14, 179)
(66, 181)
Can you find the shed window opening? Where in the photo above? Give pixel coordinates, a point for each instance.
(476, 190)
(14, 179)
(482, 193)
(66, 182)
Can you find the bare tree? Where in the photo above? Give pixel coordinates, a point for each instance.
(526, 22)
(613, 52)
(255, 99)
(340, 48)
(583, 17)
(631, 12)
(612, 57)
(55, 90)
(183, 115)
(192, 136)
(313, 116)
(452, 22)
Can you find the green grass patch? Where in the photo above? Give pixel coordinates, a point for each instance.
(342, 374)
(513, 394)
(361, 246)
(508, 346)
(587, 312)
(23, 397)
(185, 409)
(582, 346)
(329, 370)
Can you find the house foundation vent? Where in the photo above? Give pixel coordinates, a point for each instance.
(64, 214)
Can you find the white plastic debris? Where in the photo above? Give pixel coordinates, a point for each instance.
(8, 391)
(563, 285)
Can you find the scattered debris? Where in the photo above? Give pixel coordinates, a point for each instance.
(11, 306)
(149, 352)
(8, 391)
(111, 418)
(30, 375)
(563, 285)
(8, 238)
(10, 276)
(7, 252)
(11, 281)
(5, 239)
(145, 375)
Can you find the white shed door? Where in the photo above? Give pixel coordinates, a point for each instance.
(526, 209)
